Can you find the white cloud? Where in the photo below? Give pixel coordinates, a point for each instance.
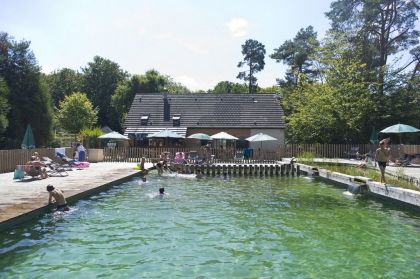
(238, 26)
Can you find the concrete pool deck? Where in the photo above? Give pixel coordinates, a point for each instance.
(411, 171)
(20, 198)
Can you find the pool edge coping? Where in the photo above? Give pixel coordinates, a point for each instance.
(36, 213)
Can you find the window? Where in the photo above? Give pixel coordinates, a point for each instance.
(176, 120)
(144, 119)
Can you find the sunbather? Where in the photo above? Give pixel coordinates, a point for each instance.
(34, 167)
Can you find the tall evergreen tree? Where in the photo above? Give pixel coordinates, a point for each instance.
(382, 27)
(254, 53)
(298, 55)
(29, 98)
(4, 105)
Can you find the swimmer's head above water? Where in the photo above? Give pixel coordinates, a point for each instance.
(161, 190)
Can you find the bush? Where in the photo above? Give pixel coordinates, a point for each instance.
(90, 137)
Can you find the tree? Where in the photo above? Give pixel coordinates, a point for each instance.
(254, 53)
(151, 82)
(101, 78)
(342, 109)
(229, 87)
(271, 89)
(4, 105)
(298, 55)
(29, 98)
(382, 27)
(76, 113)
(62, 83)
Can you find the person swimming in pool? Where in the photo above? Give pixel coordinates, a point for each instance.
(142, 180)
(161, 191)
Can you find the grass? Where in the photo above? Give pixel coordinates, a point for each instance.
(308, 158)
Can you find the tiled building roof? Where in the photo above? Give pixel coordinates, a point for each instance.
(206, 110)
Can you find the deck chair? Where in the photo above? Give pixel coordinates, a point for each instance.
(403, 162)
(54, 169)
(192, 156)
(239, 155)
(353, 153)
(64, 158)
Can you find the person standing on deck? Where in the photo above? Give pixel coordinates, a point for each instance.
(382, 155)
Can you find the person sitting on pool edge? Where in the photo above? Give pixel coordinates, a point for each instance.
(59, 198)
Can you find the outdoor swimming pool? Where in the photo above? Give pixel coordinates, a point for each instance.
(243, 227)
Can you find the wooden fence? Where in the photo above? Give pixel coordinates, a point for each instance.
(133, 154)
(10, 158)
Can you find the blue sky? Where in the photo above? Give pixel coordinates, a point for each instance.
(196, 42)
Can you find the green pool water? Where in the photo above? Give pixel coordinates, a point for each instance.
(292, 227)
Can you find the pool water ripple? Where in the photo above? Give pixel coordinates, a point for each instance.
(214, 228)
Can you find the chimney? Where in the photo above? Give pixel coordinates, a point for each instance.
(166, 108)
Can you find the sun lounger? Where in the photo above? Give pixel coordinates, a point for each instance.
(55, 169)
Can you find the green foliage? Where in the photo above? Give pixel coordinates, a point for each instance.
(90, 137)
(229, 87)
(4, 105)
(29, 98)
(100, 79)
(254, 53)
(76, 113)
(62, 83)
(151, 82)
(399, 181)
(342, 109)
(297, 54)
(272, 89)
(380, 28)
(306, 157)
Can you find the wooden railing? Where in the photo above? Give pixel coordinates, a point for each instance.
(134, 154)
(10, 158)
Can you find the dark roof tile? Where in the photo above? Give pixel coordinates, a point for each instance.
(210, 110)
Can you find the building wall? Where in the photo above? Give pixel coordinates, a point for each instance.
(268, 145)
(242, 134)
(239, 133)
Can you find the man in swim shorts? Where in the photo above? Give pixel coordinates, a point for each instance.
(382, 157)
(58, 196)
